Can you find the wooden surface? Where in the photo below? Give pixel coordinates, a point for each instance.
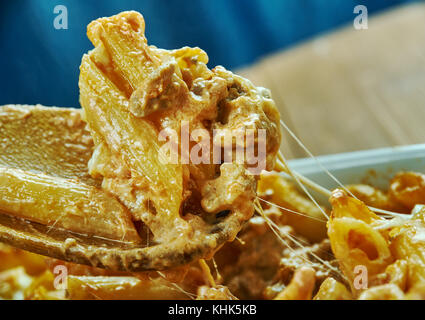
(352, 89)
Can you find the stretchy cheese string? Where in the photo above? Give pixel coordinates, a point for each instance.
(281, 166)
(316, 187)
(207, 271)
(91, 289)
(291, 211)
(306, 243)
(310, 154)
(218, 274)
(295, 177)
(177, 287)
(273, 227)
(259, 209)
(240, 241)
(276, 230)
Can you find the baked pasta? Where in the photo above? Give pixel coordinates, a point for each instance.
(258, 264)
(120, 170)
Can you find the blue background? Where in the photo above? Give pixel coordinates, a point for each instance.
(39, 64)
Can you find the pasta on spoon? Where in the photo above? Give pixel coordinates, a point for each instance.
(131, 93)
(144, 106)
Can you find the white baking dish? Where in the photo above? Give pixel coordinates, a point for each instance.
(375, 167)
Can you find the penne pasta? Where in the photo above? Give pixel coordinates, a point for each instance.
(331, 289)
(408, 243)
(64, 203)
(355, 243)
(121, 288)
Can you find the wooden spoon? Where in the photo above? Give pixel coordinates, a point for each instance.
(54, 142)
